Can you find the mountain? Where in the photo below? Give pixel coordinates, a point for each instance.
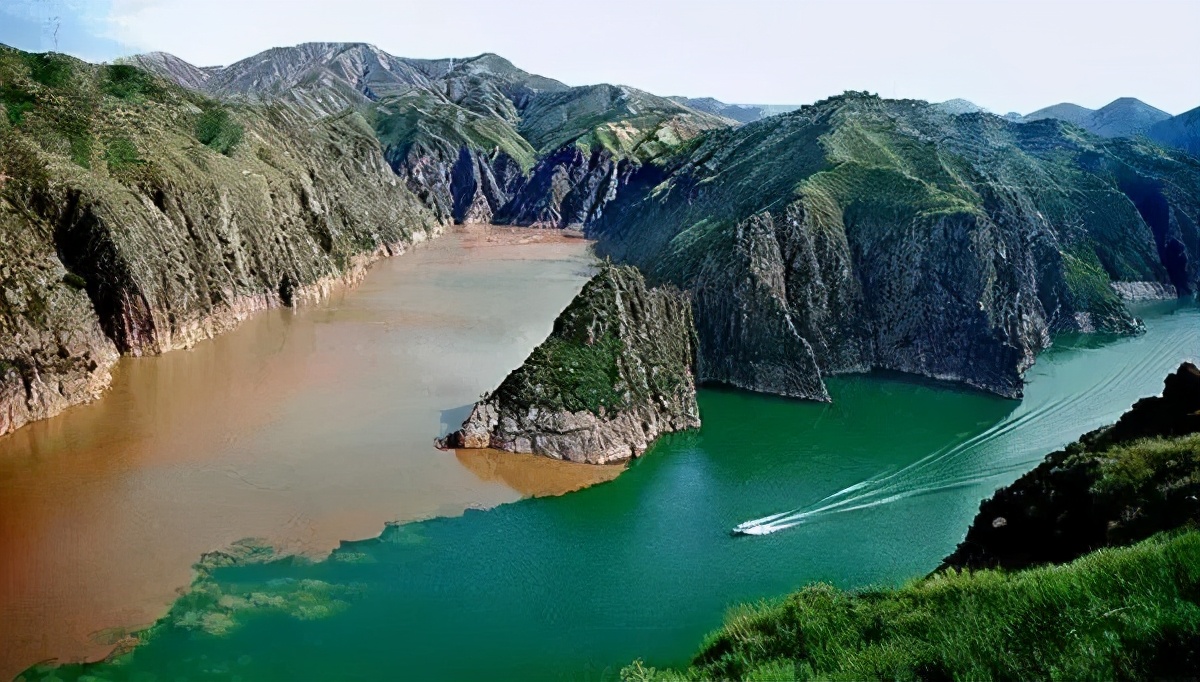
(1181, 132)
(137, 217)
(854, 234)
(861, 233)
(740, 113)
(960, 106)
(173, 68)
(478, 139)
(1125, 117)
(1071, 113)
(1122, 117)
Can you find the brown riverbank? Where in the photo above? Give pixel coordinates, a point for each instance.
(302, 428)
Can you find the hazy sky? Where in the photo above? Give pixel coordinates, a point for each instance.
(1003, 54)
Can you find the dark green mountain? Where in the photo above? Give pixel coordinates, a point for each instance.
(861, 233)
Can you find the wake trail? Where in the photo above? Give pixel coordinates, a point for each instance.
(915, 478)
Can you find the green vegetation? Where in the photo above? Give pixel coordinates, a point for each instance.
(1088, 284)
(217, 129)
(1148, 469)
(129, 83)
(120, 153)
(1130, 613)
(16, 102)
(51, 86)
(417, 120)
(566, 372)
(48, 69)
(594, 362)
(627, 123)
(577, 367)
(74, 281)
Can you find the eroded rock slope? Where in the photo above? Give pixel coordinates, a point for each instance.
(139, 217)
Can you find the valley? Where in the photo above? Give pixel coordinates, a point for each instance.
(242, 307)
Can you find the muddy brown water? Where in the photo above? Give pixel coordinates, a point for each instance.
(301, 428)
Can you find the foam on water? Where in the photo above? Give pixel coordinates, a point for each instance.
(983, 455)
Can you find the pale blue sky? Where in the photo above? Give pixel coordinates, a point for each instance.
(1003, 54)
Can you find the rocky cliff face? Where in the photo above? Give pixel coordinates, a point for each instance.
(138, 217)
(1115, 486)
(862, 233)
(615, 373)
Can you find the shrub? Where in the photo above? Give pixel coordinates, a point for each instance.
(128, 83)
(120, 153)
(217, 130)
(48, 69)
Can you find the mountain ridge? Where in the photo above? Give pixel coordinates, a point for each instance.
(1122, 117)
(478, 139)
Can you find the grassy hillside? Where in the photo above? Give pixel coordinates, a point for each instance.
(1129, 613)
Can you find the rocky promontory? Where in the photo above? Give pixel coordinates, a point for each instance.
(1115, 486)
(615, 373)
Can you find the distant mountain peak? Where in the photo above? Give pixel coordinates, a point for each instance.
(960, 106)
(1122, 117)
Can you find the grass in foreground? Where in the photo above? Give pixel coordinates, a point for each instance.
(1127, 613)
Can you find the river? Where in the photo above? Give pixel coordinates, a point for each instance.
(300, 428)
(872, 489)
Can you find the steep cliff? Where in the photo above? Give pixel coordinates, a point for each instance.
(862, 233)
(139, 217)
(1113, 487)
(615, 373)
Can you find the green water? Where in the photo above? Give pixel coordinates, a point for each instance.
(890, 475)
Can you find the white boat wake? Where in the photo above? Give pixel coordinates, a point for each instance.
(944, 468)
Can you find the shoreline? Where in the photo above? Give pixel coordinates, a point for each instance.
(234, 439)
(15, 405)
